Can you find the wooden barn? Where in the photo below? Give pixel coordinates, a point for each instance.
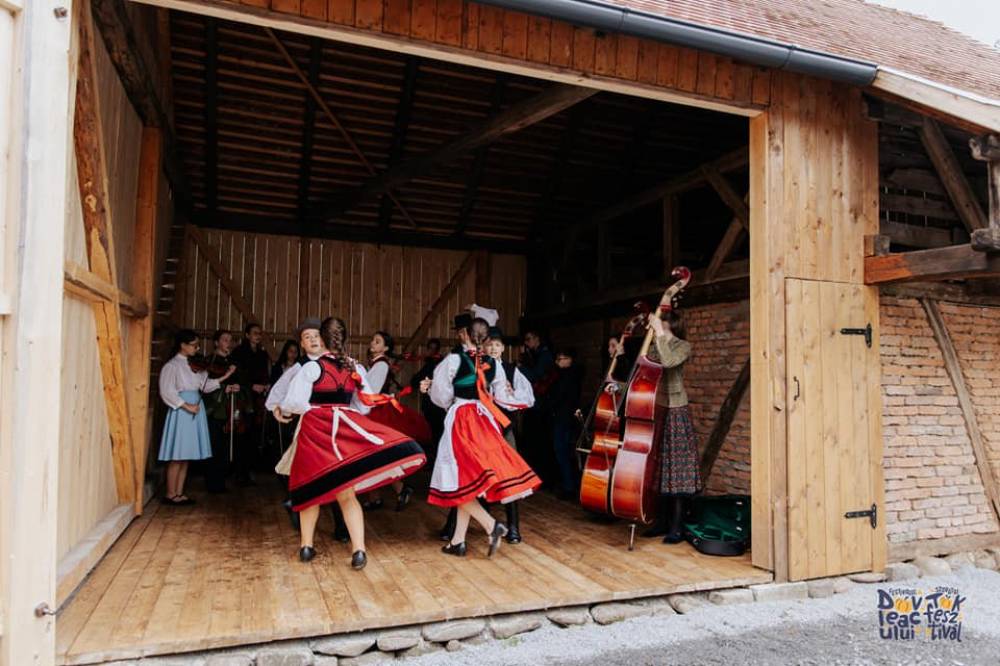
(830, 171)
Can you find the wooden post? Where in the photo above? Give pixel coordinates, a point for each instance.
(140, 331)
(950, 172)
(987, 149)
(39, 128)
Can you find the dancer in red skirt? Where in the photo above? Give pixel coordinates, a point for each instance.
(382, 379)
(339, 451)
(473, 458)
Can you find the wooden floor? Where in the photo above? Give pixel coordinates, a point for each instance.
(225, 572)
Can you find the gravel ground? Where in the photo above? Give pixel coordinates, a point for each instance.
(837, 630)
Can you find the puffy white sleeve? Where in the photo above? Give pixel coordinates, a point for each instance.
(169, 384)
(518, 396)
(442, 390)
(296, 400)
(366, 387)
(209, 385)
(280, 388)
(377, 375)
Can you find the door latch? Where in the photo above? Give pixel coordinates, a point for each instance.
(866, 331)
(871, 513)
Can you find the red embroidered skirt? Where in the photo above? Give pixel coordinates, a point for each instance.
(487, 464)
(409, 422)
(322, 468)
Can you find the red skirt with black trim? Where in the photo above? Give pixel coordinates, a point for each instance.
(487, 465)
(408, 421)
(324, 465)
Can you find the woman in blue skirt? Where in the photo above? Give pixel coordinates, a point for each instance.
(185, 432)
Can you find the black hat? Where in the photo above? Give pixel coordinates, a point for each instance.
(494, 333)
(463, 320)
(307, 323)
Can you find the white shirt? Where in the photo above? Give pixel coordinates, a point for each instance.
(442, 390)
(280, 388)
(378, 373)
(296, 400)
(176, 375)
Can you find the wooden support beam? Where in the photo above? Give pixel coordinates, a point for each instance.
(727, 412)
(941, 291)
(93, 183)
(912, 235)
(142, 283)
(876, 245)
(734, 201)
(962, 196)
(211, 113)
(987, 149)
(111, 18)
(516, 117)
(953, 366)
(328, 112)
(211, 254)
(400, 128)
(420, 333)
(479, 161)
(733, 234)
(88, 286)
(947, 263)
(308, 132)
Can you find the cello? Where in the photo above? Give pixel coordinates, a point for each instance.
(622, 470)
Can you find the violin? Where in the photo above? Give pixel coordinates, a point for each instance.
(216, 366)
(621, 476)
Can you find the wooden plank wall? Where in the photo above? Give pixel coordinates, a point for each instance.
(497, 34)
(286, 278)
(813, 198)
(87, 494)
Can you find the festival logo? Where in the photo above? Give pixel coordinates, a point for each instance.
(910, 614)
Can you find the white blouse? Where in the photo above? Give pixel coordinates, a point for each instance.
(378, 374)
(176, 375)
(296, 400)
(442, 391)
(280, 388)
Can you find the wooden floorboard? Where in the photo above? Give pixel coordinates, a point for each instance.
(225, 572)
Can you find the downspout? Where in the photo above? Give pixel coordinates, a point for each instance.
(746, 48)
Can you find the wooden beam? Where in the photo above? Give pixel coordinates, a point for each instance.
(516, 117)
(479, 161)
(876, 245)
(734, 232)
(111, 18)
(727, 412)
(956, 107)
(88, 286)
(211, 254)
(92, 177)
(75, 565)
(987, 149)
(308, 132)
(963, 198)
(328, 112)
(211, 114)
(142, 283)
(946, 263)
(953, 366)
(401, 126)
(736, 203)
(912, 235)
(420, 333)
(941, 291)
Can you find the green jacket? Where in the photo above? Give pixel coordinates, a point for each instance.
(672, 354)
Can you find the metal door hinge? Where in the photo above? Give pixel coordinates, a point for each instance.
(871, 513)
(866, 331)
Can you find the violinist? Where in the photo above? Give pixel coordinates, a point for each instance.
(224, 412)
(185, 432)
(254, 374)
(565, 404)
(680, 477)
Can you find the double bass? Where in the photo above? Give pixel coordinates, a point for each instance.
(622, 470)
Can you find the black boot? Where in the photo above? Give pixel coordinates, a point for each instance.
(513, 523)
(676, 510)
(659, 526)
(293, 517)
(339, 526)
(449, 525)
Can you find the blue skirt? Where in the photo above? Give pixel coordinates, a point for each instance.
(185, 435)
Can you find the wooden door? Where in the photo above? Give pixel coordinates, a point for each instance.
(833, 417)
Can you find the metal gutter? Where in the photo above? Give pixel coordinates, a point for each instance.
(747, 48)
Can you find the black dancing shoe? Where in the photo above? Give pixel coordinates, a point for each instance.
(499, 532)
(448, 530)
(456, 549)
(404, 497)
(673, 537)
(513, 520)
(372, 505)
(307, 553)
(359, 560)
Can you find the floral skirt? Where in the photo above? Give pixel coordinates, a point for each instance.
(679, 461)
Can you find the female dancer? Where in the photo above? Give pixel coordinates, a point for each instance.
(338, 450)
(185, 432)
(473, 459)
(391, 413)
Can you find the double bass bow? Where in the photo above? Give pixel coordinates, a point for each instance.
(623, 468)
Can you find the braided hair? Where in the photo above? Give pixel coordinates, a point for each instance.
(333, 330)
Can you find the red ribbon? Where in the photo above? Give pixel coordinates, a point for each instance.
(486, 398)
(376, 399)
